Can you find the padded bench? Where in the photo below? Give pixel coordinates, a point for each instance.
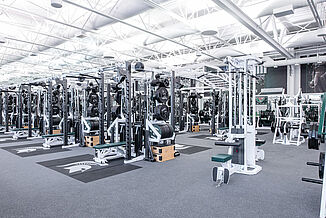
(222, 158)
(56, 135)
(223, 143)
(110, 145)
(260, 142)
(23, 129)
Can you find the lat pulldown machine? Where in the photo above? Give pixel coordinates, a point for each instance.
(241, 142)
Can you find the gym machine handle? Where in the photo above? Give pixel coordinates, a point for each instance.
(312, 180)
(313, 164)
(222, 143)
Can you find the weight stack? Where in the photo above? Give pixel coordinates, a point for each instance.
(90, 141)
(163, 153)
(195, 128)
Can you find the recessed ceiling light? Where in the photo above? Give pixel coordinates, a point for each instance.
(209, 32)
(56, 3)
(81, 36)
(2, 40)
(108, 57)
(275, 66)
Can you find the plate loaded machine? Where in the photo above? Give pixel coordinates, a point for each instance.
(316, 135)
(9, 109)
(122, 135)
(241, 142)
(90, 120)
(289, 119)
(55, 110)
(29, 112)
(158, 131)
(192, 115)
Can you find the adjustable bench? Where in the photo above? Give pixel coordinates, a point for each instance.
(52, 140)
(56, 135)
(106, 152)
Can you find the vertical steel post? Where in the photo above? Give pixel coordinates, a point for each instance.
(20, 109)
(29, 105)
(108, 106)
(50, 109)
(128, 109)
(172, 116)
(65, 111)
(6, 111)
(101, 108)
(181, 122)
(213, 113)
(1, 108)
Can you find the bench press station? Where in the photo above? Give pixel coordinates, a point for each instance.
(22, 133)
(53, 140)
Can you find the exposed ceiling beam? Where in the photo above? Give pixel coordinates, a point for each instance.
(48, 54)
(315, 13)
(138, 28)
(75, 27)
(244, 19)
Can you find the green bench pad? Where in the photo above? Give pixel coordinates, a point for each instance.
(260, 142)
(56, 135)
(222, 158)
(110, 145)
(22, 129)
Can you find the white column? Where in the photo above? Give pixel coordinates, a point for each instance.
(293, 79)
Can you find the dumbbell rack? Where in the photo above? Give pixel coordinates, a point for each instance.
(322, 132)
(321, 164)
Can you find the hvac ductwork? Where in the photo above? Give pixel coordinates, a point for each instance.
(295, 61)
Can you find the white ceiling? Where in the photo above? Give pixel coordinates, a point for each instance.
(41, 41)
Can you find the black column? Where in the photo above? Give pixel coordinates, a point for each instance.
(213, 113)
(128, 109)
(29, 100)
(50, 109)
(20, 108)
(181, 121)
(108, 106)
(172, 99)
(148, 155)
(101, 108)
(65, 111)
(1, 108)
(6, 111)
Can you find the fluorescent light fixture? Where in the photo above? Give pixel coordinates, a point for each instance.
(56, 3)
(209, 33)
(2, 40)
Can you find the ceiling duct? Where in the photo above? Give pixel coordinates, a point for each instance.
(283, 11)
